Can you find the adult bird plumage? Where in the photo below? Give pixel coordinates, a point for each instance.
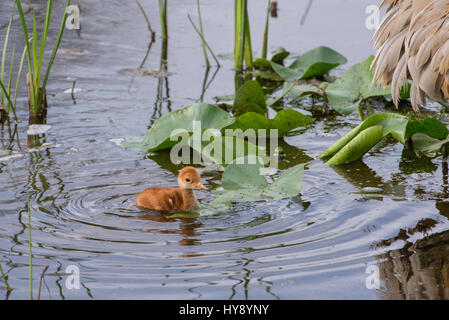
(413, 42)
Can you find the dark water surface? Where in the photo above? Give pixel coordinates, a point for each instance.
(391, 210)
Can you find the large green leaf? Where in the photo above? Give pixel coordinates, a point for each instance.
(358, 146)
(250, 92)
(169, 126)
(224, 150)
(244, 183)
(432, 127)
(389, 122)
(284, 121)
(316, 62)
(346, 93)
(293, 92)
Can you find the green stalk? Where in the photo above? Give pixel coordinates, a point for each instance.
(5, 92)
(10, 76)
(27, 44)
(202, 34)
(56, 46)
(5, 46)
(18, 81)
(265, 33)
(248, 48)
(44, 41)
(204, 41)
(239, 34)
(163, 17)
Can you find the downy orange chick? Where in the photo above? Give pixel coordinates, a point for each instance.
(173, 199)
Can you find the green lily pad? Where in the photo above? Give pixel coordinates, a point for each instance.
(284, 121)
(346, 93)
(244, 183)
(431, 127)
(167, 128)
(249, 92)
(316, 62)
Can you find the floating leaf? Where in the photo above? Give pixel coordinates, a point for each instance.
(346, 93)
(432, 127)
(316, 62)
(169, 126)
(244, 183)
(284, 121)
(388, 122)
(249, 92)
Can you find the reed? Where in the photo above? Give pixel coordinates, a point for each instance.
(36, 79)
(163, 17)
(205, 44)
(242, 44)
(265, 33)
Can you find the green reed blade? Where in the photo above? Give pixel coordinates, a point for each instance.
(248, 48)
(10, 76)
(203, 40)
(2, 86)
(19, 73)
(5, 46)
(239, 34)
(44, 39)
(163, 17)
(265, 33)
(56, 46)
(202, 34)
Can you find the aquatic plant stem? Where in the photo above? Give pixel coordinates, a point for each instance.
(30, 253)
(204, 41)
(163, 17)
(265, 33)
(200, 23)
(5, 278)
(153, 34)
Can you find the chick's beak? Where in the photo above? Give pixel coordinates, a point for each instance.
(199, 185)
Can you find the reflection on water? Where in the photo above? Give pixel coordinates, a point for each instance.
(391, 209)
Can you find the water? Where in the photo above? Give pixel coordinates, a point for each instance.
(390, 211)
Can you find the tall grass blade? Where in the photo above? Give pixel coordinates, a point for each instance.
(44, 40)
(163, 17)
(27, 44)
(19, 73)
(204, 41)
(248, 48)
(2, 86)
(202, 34)
(265, 33)
(56, 46)
(5, 46)
(239, 34)
(10, 77)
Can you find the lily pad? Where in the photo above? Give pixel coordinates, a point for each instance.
(346, 93)
(428, 146)
(169, 126)
(249, 93)
(244, 183)
(284, 121)
(316, 62)
(431, 127)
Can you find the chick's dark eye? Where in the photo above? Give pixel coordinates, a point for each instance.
(187, 179)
